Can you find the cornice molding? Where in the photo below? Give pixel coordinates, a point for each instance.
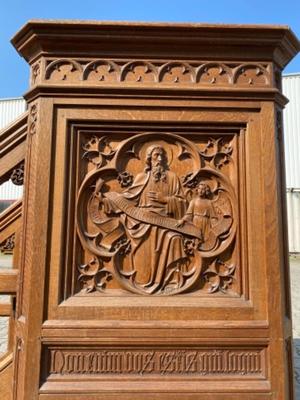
(251, 94)
(142, 40)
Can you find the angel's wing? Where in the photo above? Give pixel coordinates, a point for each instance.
(223, 214)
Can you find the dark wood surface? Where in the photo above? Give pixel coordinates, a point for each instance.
(153, 258)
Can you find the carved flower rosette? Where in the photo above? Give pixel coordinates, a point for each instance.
(152, 211)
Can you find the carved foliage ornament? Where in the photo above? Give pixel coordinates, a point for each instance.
(151, 211)
(32, 119)
(17, 176)
(8, 245)
(35, 72)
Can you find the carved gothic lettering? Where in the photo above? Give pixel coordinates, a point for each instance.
(161, 362)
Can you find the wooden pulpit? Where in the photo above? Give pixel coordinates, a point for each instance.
(153, 256)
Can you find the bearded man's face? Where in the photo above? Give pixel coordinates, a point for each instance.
(157, 157)
(158, 166)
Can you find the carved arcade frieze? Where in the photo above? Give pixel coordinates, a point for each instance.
(152, 72)
(157, 214)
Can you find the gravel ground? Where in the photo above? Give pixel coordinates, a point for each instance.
(295, 283)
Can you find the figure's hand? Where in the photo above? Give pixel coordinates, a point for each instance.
(98, 196)
(180, 223)
(157, 196)
(102, 201)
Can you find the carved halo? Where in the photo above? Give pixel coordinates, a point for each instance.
(138, 144)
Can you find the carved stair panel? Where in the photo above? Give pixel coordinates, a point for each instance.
(12, 159)
(12, 150)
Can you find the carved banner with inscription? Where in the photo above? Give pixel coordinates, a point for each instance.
(173, 208)
(159, 362)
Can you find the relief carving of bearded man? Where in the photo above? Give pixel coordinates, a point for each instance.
(154, 249)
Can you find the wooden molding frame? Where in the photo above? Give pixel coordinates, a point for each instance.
(8, 281)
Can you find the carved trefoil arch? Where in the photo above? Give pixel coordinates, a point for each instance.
(157, 214)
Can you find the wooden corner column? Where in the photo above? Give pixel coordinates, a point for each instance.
(154, 257)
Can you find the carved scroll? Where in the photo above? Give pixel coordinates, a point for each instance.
(156, 206)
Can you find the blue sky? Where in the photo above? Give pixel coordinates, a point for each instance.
(14, 71)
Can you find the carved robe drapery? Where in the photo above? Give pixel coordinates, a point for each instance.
(153, 249)
(200, 212)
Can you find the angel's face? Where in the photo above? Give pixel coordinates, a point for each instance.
(203, 190)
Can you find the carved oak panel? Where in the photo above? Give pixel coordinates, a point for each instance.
(157, 213)
(190, 235)
(154, 251)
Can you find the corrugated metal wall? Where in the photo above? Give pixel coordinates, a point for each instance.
(291, 116)
(9, 191)
(10, 109)
(293, 207)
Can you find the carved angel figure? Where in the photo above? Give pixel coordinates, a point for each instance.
(200, 211)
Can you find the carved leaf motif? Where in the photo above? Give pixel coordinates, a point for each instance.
(94, 276)
(98, 151)
(33, 115)
(220, 276)
(101, 71)
(8, 245)
(35, 72)
(217, 153)
(251, 75)
(213, 74)
(190, 180)
(190, 246)
(125, 179)
(139, 71)
(17, 176)
(63, 70)
(175, 72)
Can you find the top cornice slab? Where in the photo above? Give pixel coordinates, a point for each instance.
(72, 38)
